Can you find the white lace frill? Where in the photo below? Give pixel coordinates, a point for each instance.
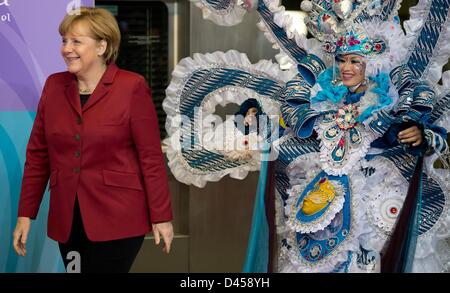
(223, 96)
(225, 17)
(397, 46)
(386, 190)
(285, 21)
(441, 90)
(445, 87)
(382, 192)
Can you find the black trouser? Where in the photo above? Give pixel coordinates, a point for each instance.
(116, 256)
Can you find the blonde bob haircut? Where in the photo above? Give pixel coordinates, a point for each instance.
(102, 26)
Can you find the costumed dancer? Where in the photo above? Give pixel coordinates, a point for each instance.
(365, 121)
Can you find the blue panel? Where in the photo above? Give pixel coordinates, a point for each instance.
(440, 108)
(429, 36)
(42, 252)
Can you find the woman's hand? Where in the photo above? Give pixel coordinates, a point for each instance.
(411, 135)
(20, 235)
(165, 230)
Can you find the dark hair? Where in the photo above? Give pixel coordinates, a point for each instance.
(243, 109)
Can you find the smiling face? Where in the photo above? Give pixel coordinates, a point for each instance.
(352, 69)
(80, 51)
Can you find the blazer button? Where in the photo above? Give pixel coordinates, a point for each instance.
(76, 170)
(77, 154)
(77, 137)
(79, 120)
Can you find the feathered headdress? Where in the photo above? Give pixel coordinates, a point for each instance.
(352, 26)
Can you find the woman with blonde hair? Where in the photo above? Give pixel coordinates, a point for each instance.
(96, 139)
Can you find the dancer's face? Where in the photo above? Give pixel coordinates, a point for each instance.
(352, 69)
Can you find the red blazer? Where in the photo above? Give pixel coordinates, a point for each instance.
(108, 154)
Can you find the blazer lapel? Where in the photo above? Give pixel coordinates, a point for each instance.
(103, 86)
(72, 95)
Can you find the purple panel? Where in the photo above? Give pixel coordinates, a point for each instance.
(29, 49)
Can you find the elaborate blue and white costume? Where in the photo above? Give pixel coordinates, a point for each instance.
(341, 175)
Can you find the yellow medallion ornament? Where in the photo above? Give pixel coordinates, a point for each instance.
(318, 198)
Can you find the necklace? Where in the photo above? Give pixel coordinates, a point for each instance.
(85, 91)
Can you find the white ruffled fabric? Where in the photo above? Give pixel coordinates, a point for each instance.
(397, 46)
(432, 250)
(229, 17)
(383, 190)
(284, 20)
(445, 87)
(226, 139)
(413, 26)
(171, 105)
